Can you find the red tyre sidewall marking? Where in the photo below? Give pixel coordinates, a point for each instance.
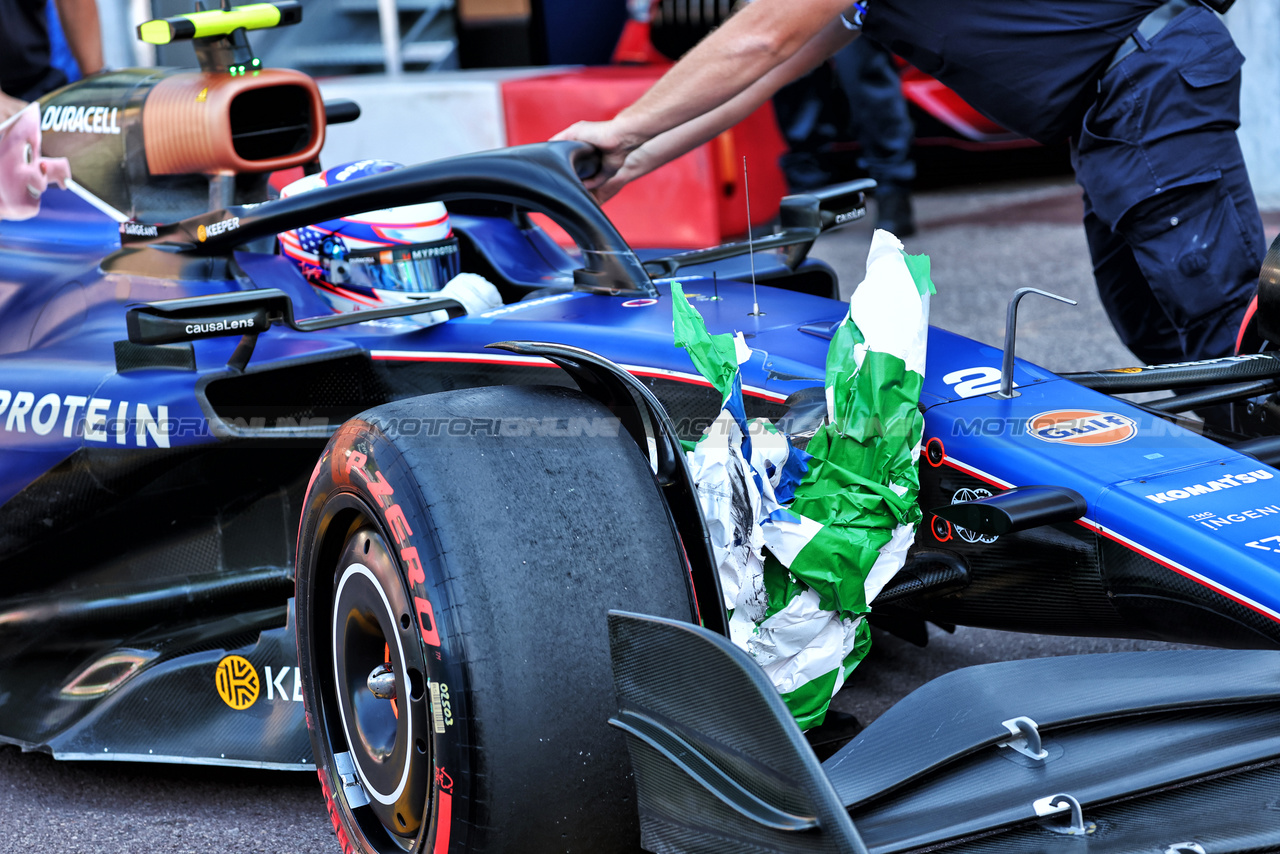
(444, 820)
(343, 841)
(350, 468)
(382, 492)
(1244, 324)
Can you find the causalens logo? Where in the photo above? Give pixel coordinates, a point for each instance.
(1082, 427)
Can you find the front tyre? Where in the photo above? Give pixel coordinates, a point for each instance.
(456, 558)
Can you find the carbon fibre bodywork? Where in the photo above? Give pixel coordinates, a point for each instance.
(1121, 753)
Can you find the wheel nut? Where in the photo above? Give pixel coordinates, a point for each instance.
(382, 682)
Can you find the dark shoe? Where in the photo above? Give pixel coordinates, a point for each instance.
(894, 213)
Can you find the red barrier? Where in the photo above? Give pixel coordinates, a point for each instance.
(696, 200)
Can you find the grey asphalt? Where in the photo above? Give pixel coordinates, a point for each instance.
(984, 241)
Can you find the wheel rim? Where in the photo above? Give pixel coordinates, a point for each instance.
(387, 739)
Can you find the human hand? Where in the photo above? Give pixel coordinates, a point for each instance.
(613, 147)
(10, 106)
(637, 163)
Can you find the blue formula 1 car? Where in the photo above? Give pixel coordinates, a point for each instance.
(229, 515)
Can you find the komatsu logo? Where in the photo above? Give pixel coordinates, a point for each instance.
(80, 119)
(97, 419)
(1228, 481)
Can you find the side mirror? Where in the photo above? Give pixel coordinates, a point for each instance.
(819, 211)
(802, 218)
(247, 314)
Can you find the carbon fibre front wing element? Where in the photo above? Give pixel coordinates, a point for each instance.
(1129, 752)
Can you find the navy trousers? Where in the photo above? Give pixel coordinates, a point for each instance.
(873, 112)
(1170, 217)
(866, 73)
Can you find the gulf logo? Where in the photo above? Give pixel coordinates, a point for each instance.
(1082, 427)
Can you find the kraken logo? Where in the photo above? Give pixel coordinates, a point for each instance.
(964, 533)
(237, 682)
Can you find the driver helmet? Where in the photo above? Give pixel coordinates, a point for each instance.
(376, 259)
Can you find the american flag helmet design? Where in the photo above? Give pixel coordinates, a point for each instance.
(372, 259)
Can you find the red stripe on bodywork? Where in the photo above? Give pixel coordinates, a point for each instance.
(1221, 591)
(1224, 592)
(773, 397)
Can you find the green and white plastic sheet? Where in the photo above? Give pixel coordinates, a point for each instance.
(804, 540)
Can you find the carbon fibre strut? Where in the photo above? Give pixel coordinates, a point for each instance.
(644, 417)
(1246, 367)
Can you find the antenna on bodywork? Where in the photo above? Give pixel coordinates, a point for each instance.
(751, 252)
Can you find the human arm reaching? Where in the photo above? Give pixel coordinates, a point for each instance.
(713, 87)
(79, 19)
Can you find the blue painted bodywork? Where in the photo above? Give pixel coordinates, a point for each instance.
(59, 317)
(1194, 521)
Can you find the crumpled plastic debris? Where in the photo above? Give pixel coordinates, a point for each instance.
(805, 539)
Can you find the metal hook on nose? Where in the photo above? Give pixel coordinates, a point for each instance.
(1010, 335)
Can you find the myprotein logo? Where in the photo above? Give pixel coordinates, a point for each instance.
(1087, 427)
(97, 419)
(1229, 481)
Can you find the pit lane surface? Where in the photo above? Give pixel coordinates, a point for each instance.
(984, 244)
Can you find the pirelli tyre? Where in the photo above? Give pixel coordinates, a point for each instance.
(457, 556)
